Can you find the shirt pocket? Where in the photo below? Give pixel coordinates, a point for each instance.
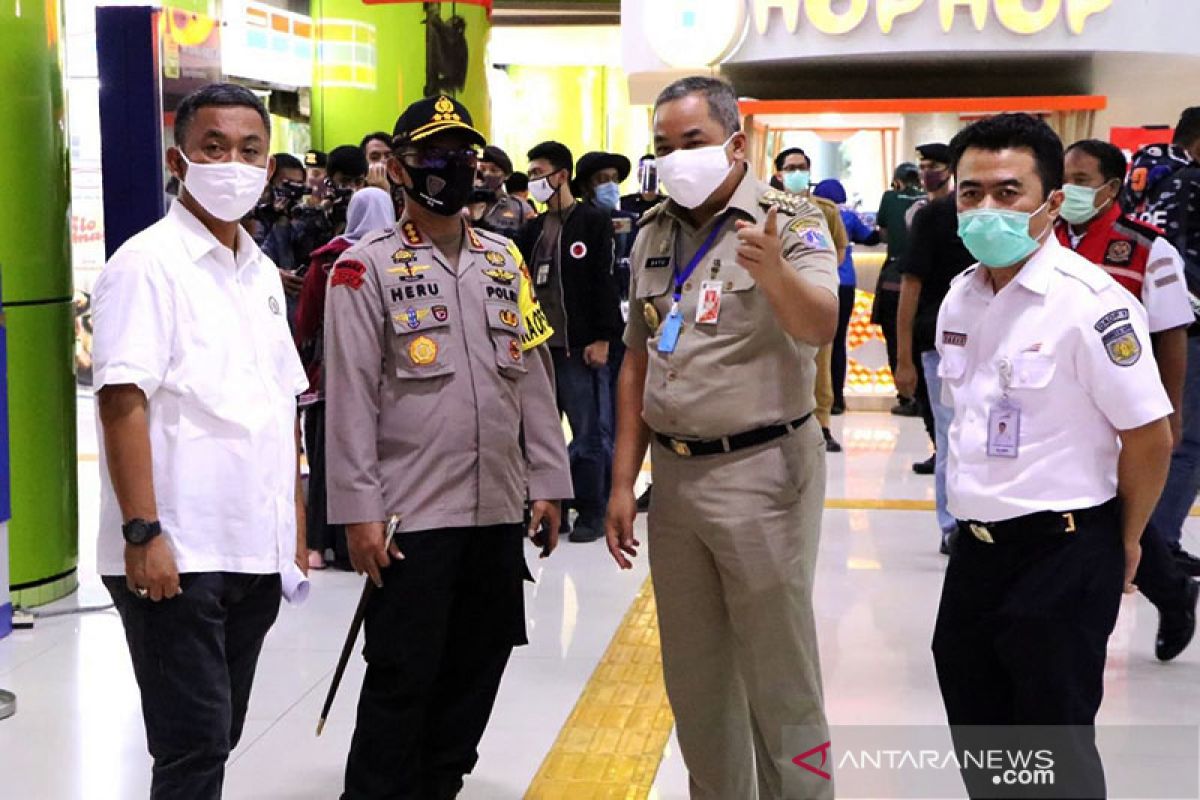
(504, 326)
(741, 305)
(422, 338)
(1033, 370)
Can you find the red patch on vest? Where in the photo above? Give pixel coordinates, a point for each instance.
(1119, 253)
(348, 273)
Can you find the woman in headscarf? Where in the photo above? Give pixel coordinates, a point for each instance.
(370, 210)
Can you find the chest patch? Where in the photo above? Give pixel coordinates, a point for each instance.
(1119, 253)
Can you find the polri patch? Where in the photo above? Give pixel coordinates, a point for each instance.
(1110, 319)
(1123, 346)
(501, 276)
(658, 262)
(494, 258)
(1119, 253)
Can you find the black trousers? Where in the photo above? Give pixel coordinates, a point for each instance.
(194, 658)
(838, 365)
(438, 637)
(883, 314)
(1020, 641)
(1159, 576)
(321, 535)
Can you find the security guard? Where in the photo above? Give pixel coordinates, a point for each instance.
(434, 378)
(1058, 450)
(734, 288)
(491, 207)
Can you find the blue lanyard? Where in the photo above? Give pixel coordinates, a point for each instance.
(682, 278)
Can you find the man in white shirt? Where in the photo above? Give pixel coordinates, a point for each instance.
(196, 379)
(1052, 508)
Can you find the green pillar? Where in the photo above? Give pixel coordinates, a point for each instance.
(35, 256)
(371, 65)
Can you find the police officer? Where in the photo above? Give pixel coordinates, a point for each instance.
(433, 371)
(1138, 257)
(492, 208)
(1058, 451)
(734, 288)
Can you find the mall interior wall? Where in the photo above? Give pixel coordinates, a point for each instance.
(343, 114)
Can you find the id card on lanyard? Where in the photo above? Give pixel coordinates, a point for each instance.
(672, 326)
(1004, 419)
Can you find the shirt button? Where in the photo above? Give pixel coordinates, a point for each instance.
(687, 287)
(671, 375)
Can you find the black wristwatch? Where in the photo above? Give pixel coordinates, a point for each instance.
(139, 531)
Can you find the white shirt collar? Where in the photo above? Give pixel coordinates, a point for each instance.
(199, 241)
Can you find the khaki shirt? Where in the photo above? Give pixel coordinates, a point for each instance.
(431, 377)
(743, 372)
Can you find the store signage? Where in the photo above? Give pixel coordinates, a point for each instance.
(1016, 15)
(692, 33)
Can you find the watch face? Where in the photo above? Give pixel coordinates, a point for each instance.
(139, 531)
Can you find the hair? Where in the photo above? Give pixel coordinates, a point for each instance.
(1188, 129)
(221, 95)
(377, 136)
(791, 151)
(287, 161)
(1113, 163)
(348, 160)
(517, 182)
(1005, 131)
(556, 153)
(907, 173)
(722, 99)
(494, 155)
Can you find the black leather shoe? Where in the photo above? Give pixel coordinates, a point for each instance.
(831, 444)
(1187, 562)
(838, 409)
(643, 502)
(926, 467)
(906, 408)
(1176, 627)
(586, 530)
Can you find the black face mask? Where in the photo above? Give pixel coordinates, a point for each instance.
(443, 189)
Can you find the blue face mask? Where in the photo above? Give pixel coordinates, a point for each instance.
(608, 195)
(797, 182)
(998, 237)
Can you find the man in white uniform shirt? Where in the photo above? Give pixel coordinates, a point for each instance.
(1052, 508)
(196, 378)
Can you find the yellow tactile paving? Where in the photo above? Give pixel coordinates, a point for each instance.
(611, 745)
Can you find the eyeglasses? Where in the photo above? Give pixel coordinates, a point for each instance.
(438, 158)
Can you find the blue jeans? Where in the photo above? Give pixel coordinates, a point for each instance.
(1183, 480)
(942, 415)
(586, 399)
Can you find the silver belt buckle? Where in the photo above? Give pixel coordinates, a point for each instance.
(981, 533)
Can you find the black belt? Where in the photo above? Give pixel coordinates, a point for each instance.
(728, 444)
(1039, 523)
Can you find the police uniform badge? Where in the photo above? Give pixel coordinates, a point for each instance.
(413, 316)
(514, 351)
(501, 276)
(441, 313)
(509, 317)
(1119, 253)
(494, 258)
(1123, 346)
(422, 351)
(650, 313)
(403, 256)
(412, 235)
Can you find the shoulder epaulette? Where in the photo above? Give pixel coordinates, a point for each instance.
(792, 204)
(652, 213)
(1143, 232)
(382, 237)
(493, 238)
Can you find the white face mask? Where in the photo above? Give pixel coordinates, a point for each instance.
(691, 176)
(541, 190)
(227, 190)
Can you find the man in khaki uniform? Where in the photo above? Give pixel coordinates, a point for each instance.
(793, 172)
(733, 290)
(434, 369)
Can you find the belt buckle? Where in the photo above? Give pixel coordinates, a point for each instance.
(1070, 520)
(981, 533)
(681, 448)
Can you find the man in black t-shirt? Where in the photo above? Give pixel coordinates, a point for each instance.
(935, 256)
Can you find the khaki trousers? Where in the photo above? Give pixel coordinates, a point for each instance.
(733, 546)
(824, 385)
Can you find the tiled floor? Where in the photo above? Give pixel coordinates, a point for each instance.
(78, 733)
